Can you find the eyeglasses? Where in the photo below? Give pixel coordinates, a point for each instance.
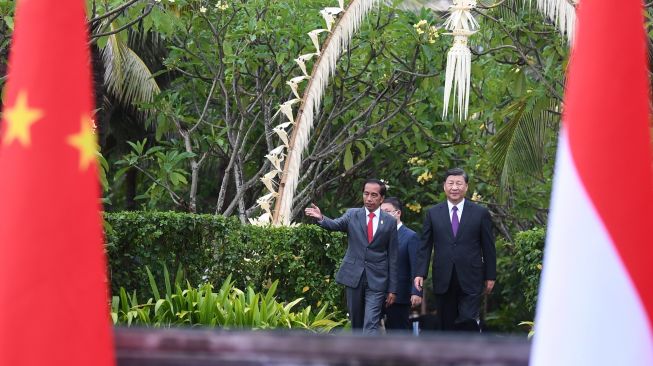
(390, 212)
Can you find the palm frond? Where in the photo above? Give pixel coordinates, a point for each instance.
(325, 66)
(126, 76)
(519, 147)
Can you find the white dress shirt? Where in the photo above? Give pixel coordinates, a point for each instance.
(460, 206)
(375, 221)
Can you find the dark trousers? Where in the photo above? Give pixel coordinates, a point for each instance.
(457, 309)
(364, 305)
(397, 317)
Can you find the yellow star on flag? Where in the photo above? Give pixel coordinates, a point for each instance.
(19, 119)
(85, 142)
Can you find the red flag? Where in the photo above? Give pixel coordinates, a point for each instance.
(596, 297)
(53, 284)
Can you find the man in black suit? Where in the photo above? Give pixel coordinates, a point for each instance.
(397, 314)
(464, 261)
(369, 268)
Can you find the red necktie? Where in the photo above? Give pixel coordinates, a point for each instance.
(370, 227)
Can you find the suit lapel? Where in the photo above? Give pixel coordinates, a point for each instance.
(363, 221)
(382, 224)
(468, 211)
(446, 220)
(401, 232)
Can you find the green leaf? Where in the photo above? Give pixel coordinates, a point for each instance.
(155, 289)
(348, 160)
(9, 20)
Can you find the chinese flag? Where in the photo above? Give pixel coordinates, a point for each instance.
(595, 304)
(53, 284)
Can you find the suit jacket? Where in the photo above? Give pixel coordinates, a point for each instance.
(378, 258)
(472, 251)
(407, 264)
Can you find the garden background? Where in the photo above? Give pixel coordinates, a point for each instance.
(187, 91)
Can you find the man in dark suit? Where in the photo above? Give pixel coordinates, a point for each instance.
(369, 268)
(397, 314)
(464, 261)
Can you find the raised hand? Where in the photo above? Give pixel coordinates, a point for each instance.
(313, 212)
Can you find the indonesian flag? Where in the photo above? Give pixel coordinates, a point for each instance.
(53, 284)
(596, 296)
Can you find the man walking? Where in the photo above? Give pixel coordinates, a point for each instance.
(369, 268)
(397, 314)
(464, 261)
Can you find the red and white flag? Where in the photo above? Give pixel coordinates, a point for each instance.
(53, 284)
(595, 304)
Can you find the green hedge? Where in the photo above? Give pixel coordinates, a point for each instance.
(210, 248)
(518, 269)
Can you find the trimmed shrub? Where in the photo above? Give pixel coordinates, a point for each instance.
(518, 266)
(210, 248)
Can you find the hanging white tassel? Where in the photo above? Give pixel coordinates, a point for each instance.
(459, 59)
(562, 13)
(458, 74)
(461, 17)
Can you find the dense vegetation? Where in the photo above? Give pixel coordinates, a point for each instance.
(210, 249)
(186, 91)
(229, 307)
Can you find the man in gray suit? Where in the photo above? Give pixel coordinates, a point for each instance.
(369, 268)
(459, 233)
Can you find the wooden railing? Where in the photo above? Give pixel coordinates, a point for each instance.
(201, 347)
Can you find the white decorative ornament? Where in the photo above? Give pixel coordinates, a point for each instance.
(562, 13)
(276, 160)
(348, 23)
(301, 61)
(286, 109)
(461, 17)
(263, 220)
(269, 183)
(462, 24)
(333, 10)
(316, 42)
(281, 132)
(458, 75)
(329, 19)
(292, 83)
(277, 150)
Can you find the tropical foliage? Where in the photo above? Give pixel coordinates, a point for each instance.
(519, 265)
(187, 90)
(228, 308)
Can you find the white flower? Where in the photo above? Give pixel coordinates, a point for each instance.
(203, 9)
(221, 5)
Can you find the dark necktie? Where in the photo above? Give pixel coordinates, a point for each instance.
(370, 227)
(454, 220)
